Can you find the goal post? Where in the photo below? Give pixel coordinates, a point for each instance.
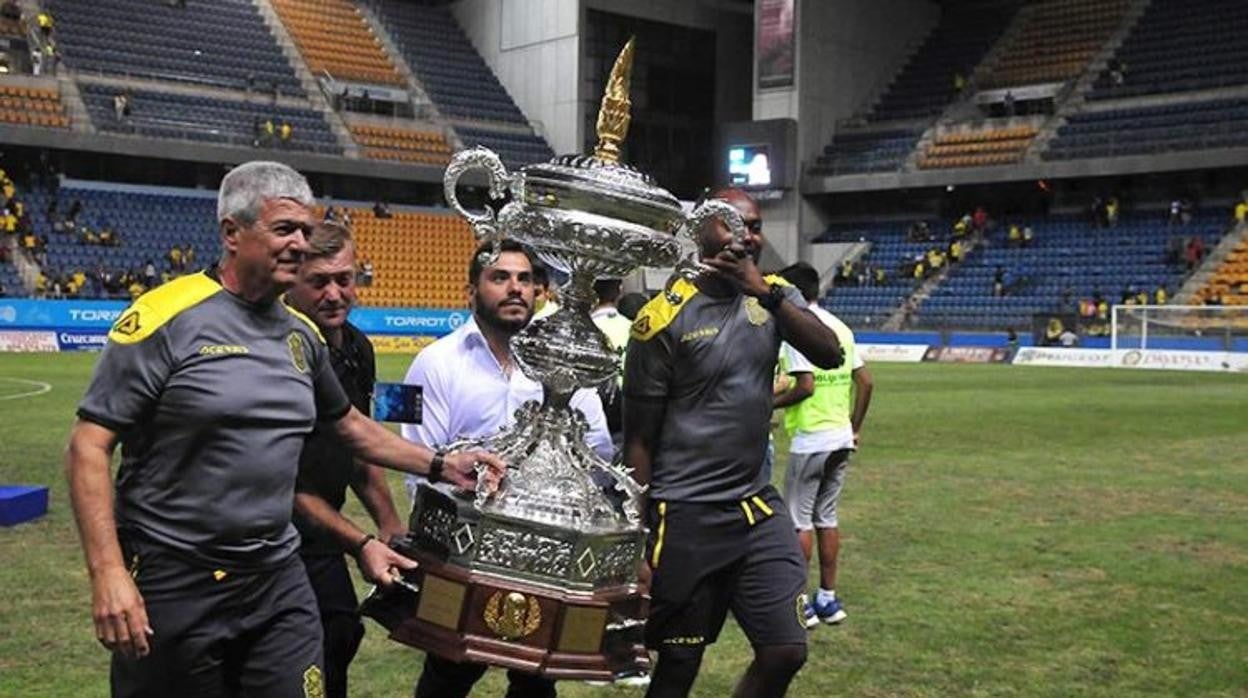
(1179, 327)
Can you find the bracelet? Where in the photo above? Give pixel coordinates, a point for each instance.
(435, 467)
(359, 547)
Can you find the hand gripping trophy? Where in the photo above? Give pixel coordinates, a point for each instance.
(541, 575)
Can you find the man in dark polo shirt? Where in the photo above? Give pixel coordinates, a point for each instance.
(325, 292)
(211, 385)
(697, 407)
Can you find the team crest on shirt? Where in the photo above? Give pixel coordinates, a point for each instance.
(755, 313)
(128, 324)
(313, 683)
(298, 351)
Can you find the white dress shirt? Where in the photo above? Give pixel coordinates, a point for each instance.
(466, 394)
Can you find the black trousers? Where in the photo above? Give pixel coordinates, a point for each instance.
(221, 633)
(340, 623)
(443, 678)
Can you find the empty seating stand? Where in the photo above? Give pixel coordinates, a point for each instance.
(514, 148)
(1067, 251)
(402, 144)
(148, 223)
(1230, 280)
(208, 119)
(1180, 46)
(453, 73)
(856, 152)
(1200, 125)
(994, 146)
(223, 43)
(1058, 39)
(925, 86)
(32, 106)
(334, 38)
(419, 259)
(872, 304)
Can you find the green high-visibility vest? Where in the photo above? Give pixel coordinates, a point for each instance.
(831, 405)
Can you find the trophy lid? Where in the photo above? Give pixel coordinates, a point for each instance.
(600, 183)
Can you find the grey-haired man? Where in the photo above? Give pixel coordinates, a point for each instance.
(211, 384)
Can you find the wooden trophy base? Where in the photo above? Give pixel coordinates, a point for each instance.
(466, 615)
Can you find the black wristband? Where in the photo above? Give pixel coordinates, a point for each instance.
(359, 547)
(435, 467)
(775, 296)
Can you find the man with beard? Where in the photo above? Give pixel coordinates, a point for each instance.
(325, 292)
(697, 408)
(211, 384)
(471, 387)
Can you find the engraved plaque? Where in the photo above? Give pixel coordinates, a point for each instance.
(582, 629)
(441, 602)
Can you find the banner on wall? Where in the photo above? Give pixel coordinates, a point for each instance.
(1182, 360)
(903, 353)
(70, 315)
(408, 321)
(81, 341)
(967, 355)
(23, 341)
(399, 344)
(774, 43)
(1055, 356)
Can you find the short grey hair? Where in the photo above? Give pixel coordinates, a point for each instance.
(246, 187)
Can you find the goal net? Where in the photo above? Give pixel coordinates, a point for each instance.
(1179, 327)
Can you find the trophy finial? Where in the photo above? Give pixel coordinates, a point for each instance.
(613, 115)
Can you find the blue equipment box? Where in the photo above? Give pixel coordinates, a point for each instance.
(21, 503)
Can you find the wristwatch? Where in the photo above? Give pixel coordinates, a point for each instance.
(435, 467)
(775, 296)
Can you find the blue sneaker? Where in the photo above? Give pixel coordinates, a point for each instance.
(831, 612)
(809, 617)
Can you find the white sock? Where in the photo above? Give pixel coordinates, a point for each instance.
(826, 595)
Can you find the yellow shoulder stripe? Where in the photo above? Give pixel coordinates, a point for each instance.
(777, 280)
(307, 320)
(160, 305)
(660, 312)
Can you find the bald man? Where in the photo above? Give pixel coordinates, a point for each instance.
(697, 407)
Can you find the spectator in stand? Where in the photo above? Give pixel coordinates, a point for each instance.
(880, 276)
(1214, 298)
(955, 251)
(268, 130)
(285, 132)
(75, 208)
(381, 210)
(1141, 297)
(1161, 296)
(107, 238)
(1008, 104)
(149, 273)
(1117, 70)
(330, 213)
(1195, 252)
(1176, 207)
(1241, 211)
(188, 257)
(979, 220)
(1068, 339)
(175, 258)
(1111, 211)
(366, 273)
(1128, 293)
(959, 82)
(1028, 236)
(1015, 237)
(46, 24)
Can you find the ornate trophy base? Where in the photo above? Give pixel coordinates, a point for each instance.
(457, 607)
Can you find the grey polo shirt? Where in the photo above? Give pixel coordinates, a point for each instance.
(708, 363)
(212, 397)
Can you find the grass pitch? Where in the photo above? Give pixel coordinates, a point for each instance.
(1007, 531)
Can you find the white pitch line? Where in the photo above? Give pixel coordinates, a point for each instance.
(40, 388)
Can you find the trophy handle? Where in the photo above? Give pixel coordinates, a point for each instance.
(484, 224)
(691, 267)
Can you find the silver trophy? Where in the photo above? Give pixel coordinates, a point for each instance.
(541, 575)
